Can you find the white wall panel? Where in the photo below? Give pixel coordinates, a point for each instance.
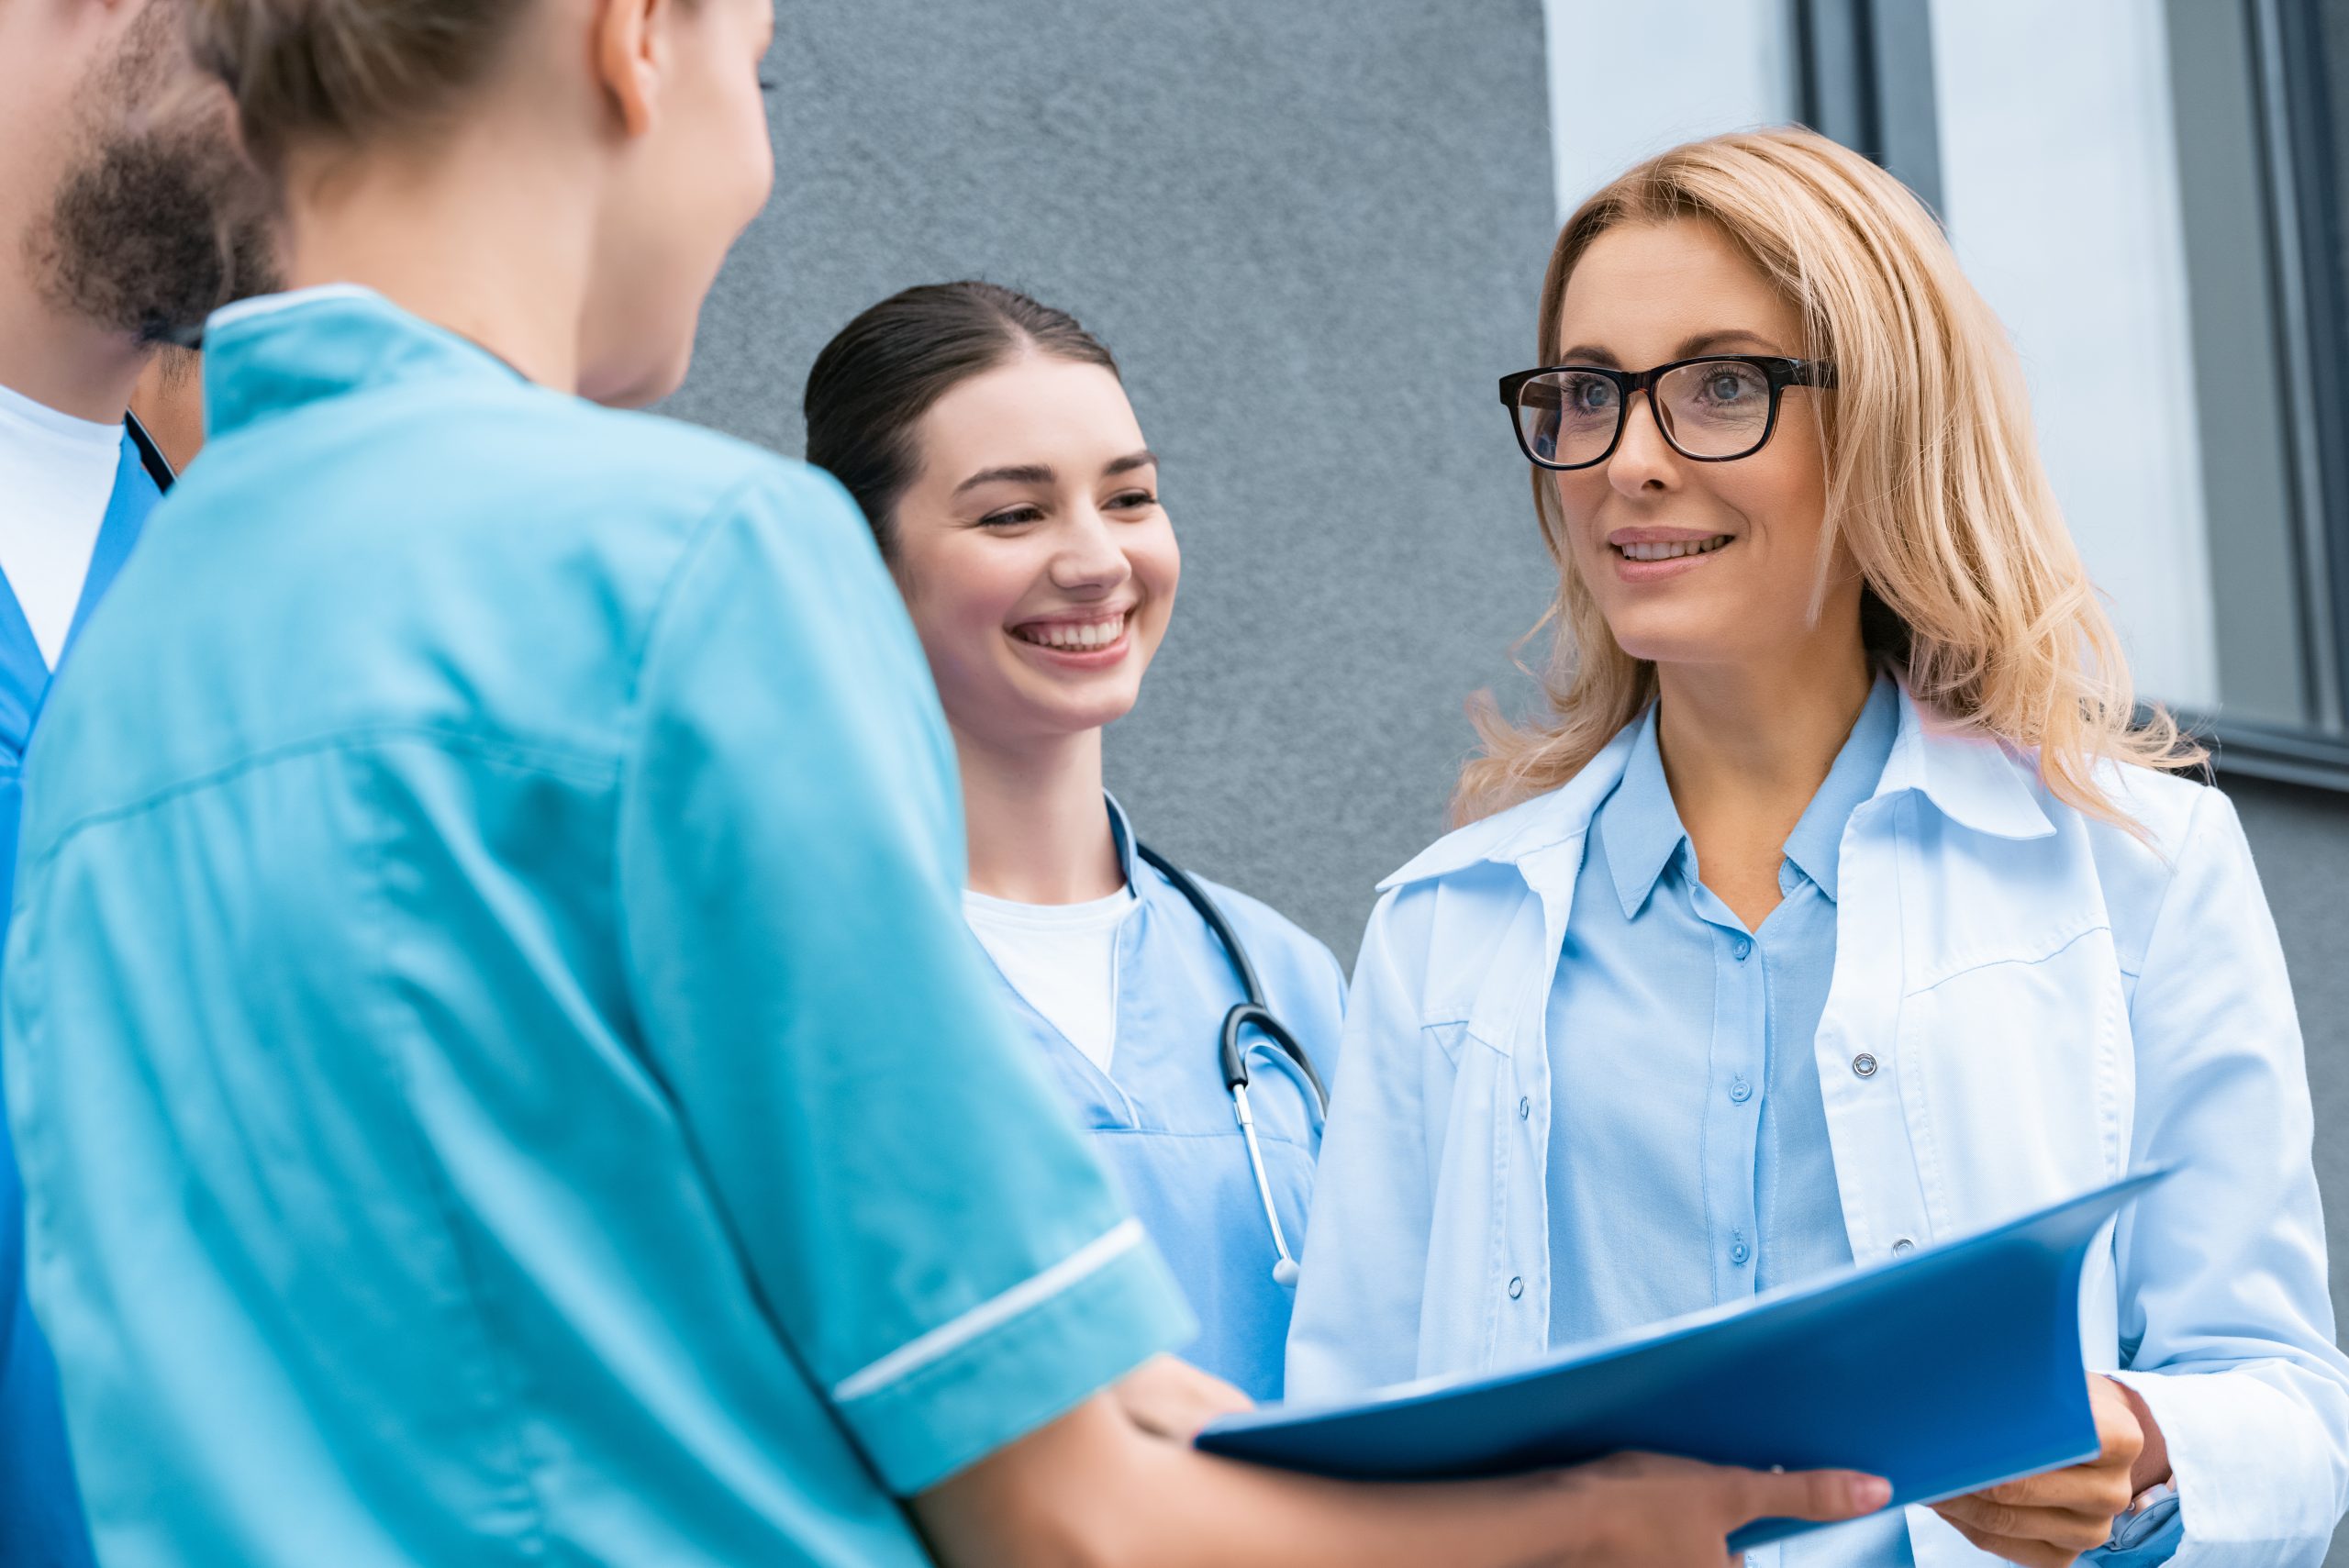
(2060, 180)
(1627, 81)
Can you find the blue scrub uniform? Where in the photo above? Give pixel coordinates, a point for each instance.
(1161, 1120)
(494, 1050)
(41, 1511)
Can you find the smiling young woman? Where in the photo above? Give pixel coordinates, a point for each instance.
(1839, 901)
(990, 439)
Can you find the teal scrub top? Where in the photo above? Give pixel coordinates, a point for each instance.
(499, 1067)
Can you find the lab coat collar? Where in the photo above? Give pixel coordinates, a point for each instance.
(277, 353)
(1973, 780)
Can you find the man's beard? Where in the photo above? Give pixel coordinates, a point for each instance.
(158, 220)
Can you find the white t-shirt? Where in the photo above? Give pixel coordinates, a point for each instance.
(1063, 958)
(56, 482)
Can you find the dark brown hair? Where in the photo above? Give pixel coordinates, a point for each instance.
(344, 71)
(873, 383)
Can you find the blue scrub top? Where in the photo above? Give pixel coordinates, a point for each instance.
(492, 1039)
(40, 1510)
(1161, 1120)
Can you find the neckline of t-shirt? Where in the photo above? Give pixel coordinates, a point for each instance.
(1091, 914)
(55, 423)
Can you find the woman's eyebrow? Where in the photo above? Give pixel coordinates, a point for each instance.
(1132, 461)
(1016, 473)
(1708, 343)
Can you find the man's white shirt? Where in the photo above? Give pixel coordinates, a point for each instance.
(57, 475)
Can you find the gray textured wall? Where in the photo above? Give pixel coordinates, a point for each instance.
(1313, 234)
(2300, 838)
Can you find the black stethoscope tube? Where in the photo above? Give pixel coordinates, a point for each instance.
(1249, 1014)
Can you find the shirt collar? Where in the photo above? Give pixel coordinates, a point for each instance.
(1816, 846)
(1639, 823)
(277, 353)
(1972, 778)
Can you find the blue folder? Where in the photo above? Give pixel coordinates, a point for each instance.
(1949, 1370)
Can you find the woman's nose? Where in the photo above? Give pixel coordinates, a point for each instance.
(1091, 557)
(1642, 460)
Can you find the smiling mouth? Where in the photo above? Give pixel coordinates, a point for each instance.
(1669, 549)
(1075, 636)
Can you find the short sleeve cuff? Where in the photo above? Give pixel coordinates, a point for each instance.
(1016, 1361)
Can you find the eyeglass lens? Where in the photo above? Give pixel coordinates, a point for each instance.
(1714, 408)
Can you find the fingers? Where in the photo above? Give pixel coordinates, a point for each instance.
(1822, 1495)
(2093, 1491)
(2025, 1554)
(2066, 1531)
(1173, 1400)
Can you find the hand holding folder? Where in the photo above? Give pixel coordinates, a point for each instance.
(1952, 1369)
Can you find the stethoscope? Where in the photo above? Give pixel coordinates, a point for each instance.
(1249, 1014)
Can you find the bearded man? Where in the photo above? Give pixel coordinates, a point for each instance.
(127, 216)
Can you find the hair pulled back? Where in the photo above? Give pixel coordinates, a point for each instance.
(344, 71)
(873, 383)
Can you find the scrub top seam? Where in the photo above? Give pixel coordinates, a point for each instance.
(508, 1406)
(581, 767)
(698, 539)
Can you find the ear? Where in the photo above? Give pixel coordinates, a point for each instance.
(628, 58)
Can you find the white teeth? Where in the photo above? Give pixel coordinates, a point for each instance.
(1076, 637)
(1671, 551)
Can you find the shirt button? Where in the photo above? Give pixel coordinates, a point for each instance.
(1864, 1064)
(1515, 1288)
(1739, 1253)
(1524, 1108)
(1742, 949)
(1903, 1245)
(1740, 1091)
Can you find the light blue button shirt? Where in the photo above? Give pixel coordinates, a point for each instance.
(1689, 1163)
(499, 1070)
(1688, 1156)
(1161, 1120)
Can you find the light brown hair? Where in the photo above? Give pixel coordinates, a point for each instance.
(344, 72)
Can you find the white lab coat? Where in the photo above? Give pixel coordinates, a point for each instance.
(2049, 1001)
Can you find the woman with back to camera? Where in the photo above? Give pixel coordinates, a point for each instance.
(492, 1016)
(989, 440)
(1840, 903)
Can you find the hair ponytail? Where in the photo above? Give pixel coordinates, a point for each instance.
(343, 72)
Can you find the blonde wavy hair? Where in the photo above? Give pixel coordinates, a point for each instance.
(1974, 590)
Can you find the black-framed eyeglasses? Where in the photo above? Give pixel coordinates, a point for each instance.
(1713, 409)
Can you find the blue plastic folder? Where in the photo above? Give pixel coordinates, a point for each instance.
(1953, 1368)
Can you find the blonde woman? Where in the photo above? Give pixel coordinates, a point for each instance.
(1840, 903)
